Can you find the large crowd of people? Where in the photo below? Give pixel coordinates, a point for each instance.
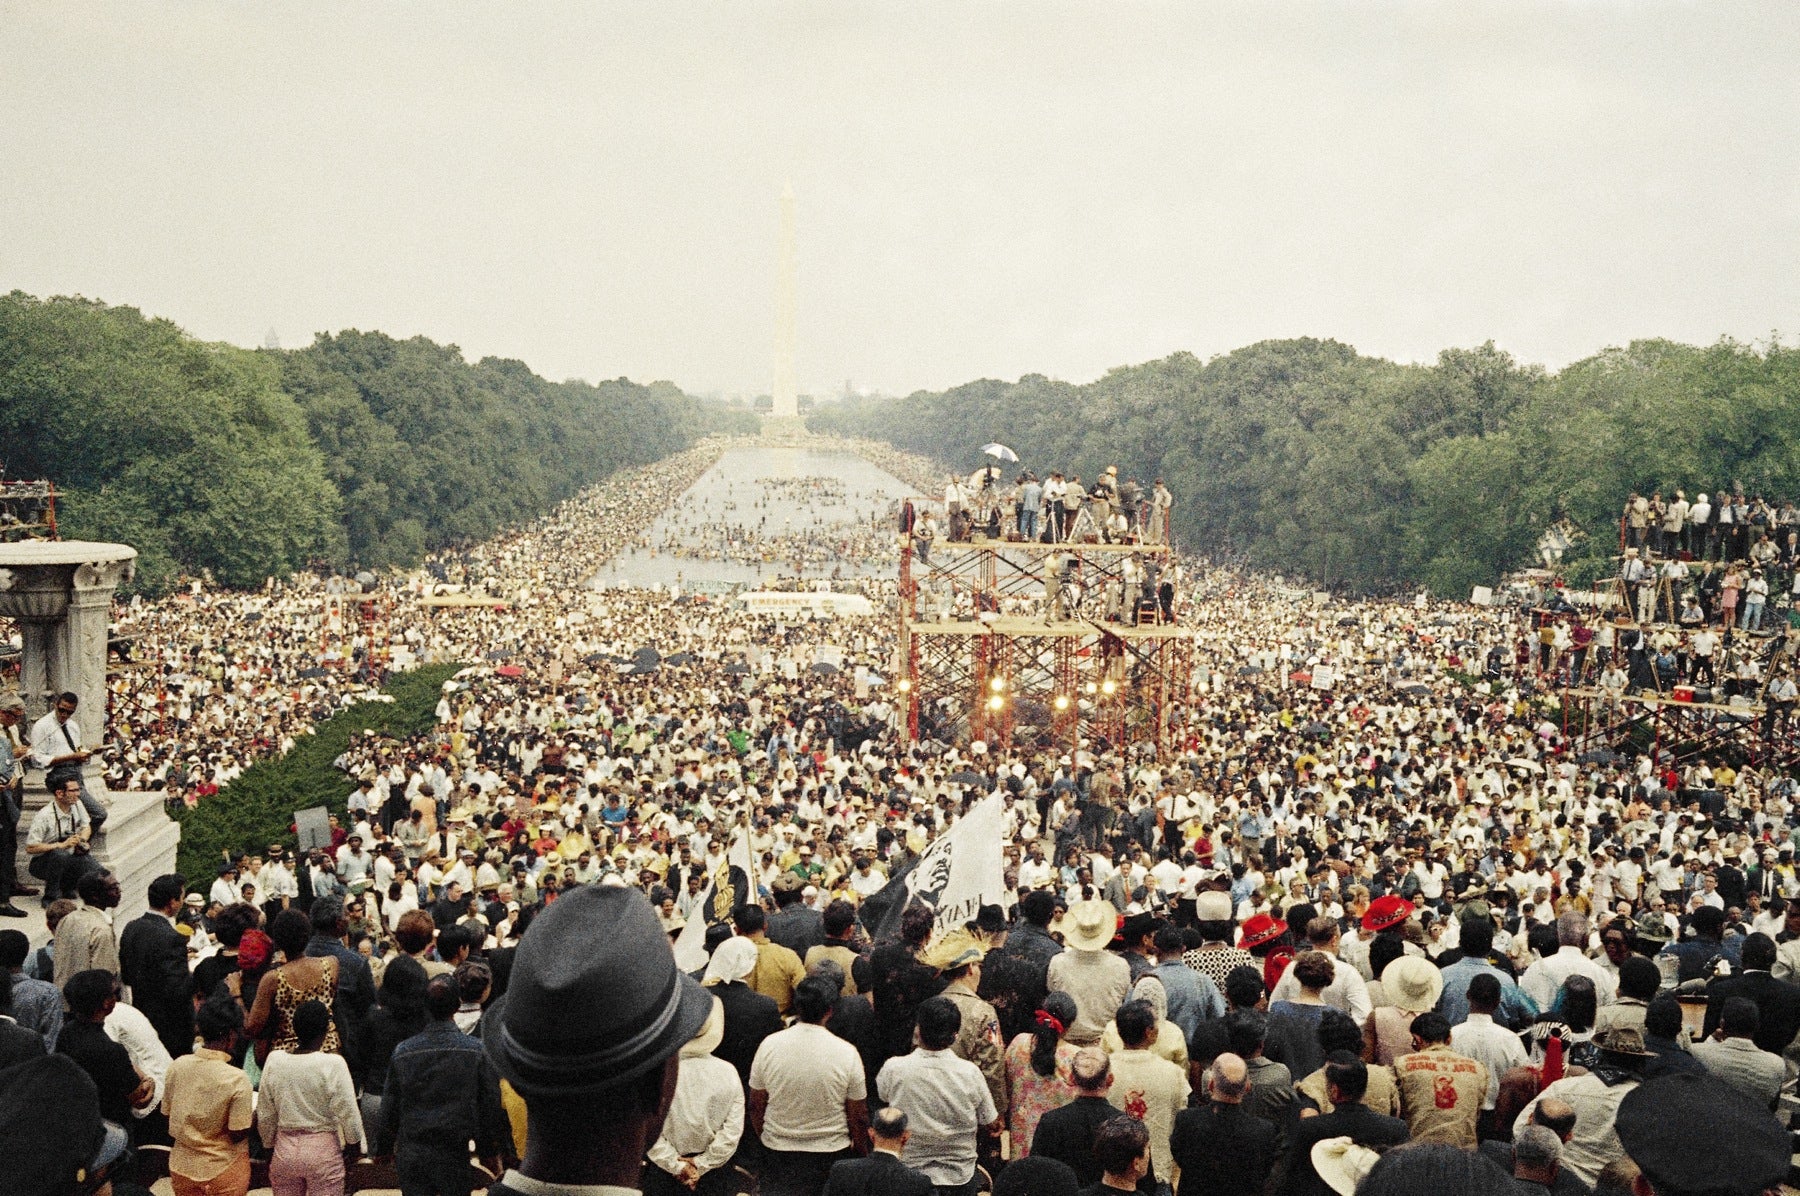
(1372, 923)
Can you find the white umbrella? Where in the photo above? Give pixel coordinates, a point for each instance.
(999, 452)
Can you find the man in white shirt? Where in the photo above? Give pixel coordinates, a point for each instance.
(1481, 1039)
(278, 883)
(56, 742)
(1347, 991)
(947, 1100)
(808, 1097)
(865, 882)
(1543, 978)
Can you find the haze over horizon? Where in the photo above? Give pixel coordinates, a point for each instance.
(1056, 188)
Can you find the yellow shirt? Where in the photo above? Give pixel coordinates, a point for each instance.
(204, 1096)
(777, 972)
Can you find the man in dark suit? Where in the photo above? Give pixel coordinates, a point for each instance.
(356, 984)
(881, 1173)
(794, 925)
(91, 995)
(1222, 1149)
(1777, 1001)
(1067, 1134)
(153, 963)
(1346, 1080)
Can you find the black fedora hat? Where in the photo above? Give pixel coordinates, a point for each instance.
(989, 919)
(595, 1000)
(51, 1130)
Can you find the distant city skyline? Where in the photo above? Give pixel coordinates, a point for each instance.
(1060, 187)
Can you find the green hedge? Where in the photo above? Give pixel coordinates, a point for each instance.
(258, 808)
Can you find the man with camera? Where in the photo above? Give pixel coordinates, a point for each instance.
(60, 840)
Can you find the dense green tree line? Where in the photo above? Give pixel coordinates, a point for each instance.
(264, 799)
(1306, 455)
(358, 450)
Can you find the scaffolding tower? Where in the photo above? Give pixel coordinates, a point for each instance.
(354, 635)
(1042, 645)
(27, 510)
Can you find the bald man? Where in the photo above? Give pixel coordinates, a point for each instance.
(1222, 1149)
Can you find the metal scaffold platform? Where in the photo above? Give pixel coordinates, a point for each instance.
(1679, 728)
(1042, 645)
(354, 635)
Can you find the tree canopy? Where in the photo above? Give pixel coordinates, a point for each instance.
(358, 450)
(1306, 455)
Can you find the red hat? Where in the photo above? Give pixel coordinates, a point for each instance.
(254, 950)
(1385, 913)
(1261, 929)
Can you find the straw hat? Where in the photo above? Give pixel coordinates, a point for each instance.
(1089, 925)
(1343, 1164)
(1413, 983)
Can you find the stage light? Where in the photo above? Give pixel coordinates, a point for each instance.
(1062, 701)
(1092, 688)
(903, 685)
(1109, 686)
(996, 702)
(997, 684)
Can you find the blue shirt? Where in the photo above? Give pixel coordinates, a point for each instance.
(1193, 997)
(1517, 1010)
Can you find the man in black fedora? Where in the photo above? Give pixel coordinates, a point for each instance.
(1695, 1133)
(589, 1034)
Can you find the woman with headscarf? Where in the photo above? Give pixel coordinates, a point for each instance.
(749, 1017)
(705, 1121)
(1170, 1044)
(1037, 1070)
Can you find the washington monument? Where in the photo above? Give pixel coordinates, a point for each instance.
(785, 401)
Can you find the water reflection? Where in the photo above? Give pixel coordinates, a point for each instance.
(766, 512)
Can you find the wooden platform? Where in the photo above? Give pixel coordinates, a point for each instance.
(1033, 548)
(464, 600)
(1021, 625)
(1754, 710)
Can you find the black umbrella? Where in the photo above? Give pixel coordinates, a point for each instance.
(1598, 756)
(1348, 621)
(646, 655)
(1321, 730)
(964, 776)
(500, 654)
(1443, 621)
(1414, 687)
(1249, 671)
(737, 668)
(595, 658)
(680, 658)
(253, 616)
(312, 672)
(823, 667)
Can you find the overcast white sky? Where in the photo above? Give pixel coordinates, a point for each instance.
(985, 189)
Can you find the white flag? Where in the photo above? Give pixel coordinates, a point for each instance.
(963, 869)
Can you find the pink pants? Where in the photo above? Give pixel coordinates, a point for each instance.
(307, 1163)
